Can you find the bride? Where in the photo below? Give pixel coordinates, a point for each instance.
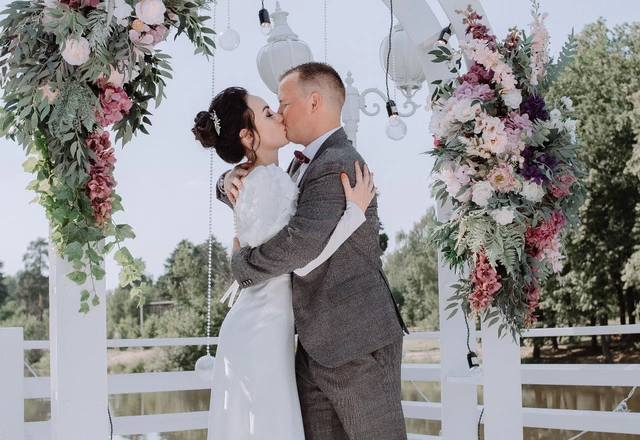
(254, 394)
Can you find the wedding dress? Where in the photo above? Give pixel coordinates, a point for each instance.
(254, 394)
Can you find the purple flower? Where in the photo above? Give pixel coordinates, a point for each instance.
(531, 171)
(534, 107)
(550, 161)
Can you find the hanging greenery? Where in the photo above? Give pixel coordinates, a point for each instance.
(70, 70)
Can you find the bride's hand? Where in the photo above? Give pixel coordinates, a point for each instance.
(364, 191)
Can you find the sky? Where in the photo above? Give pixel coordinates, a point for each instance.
(163, 178)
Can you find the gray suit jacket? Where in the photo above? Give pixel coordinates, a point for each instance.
(343, 309)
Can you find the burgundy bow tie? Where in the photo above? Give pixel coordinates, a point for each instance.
(300, 157)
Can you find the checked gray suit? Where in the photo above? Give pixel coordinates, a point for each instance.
(349, 327)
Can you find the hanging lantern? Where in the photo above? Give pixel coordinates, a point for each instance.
(405, 69)
(283, 51)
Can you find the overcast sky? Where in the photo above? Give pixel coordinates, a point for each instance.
(163, 178)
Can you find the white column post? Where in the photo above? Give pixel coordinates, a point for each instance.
(459, 396)
(11, 384)
(502, 385)
(78, 358)
(351, 110)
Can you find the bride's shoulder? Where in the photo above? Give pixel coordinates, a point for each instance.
(263, 173)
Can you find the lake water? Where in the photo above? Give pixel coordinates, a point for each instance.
(560, 397)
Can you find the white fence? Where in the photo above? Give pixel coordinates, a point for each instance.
(12, 405)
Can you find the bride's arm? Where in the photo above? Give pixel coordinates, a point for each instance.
(358, 198)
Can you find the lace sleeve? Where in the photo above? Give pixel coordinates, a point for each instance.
(351, 220)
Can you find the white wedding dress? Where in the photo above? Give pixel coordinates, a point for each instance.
(254, 394)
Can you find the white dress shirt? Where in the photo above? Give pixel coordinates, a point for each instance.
(311, 150)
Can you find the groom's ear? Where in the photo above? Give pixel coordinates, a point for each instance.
(316, 100)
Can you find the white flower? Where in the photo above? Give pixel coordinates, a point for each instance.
(151, 11)
(118, 79)
(498, 145)
(570, 125)
(463, 111)
(502, 216)
(512, 99)
(532, 191)
(555, 114)
(482, 192)
(76, 51)
(568, 103)
(122, 11)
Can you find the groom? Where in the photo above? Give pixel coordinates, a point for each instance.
(349, 327)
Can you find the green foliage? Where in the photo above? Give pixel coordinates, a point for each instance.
(600, 279)
(412, 270)
(4, 288)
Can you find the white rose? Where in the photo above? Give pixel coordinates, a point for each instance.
(76, 51)
(463, 111)
(482, 192)
(122, 11)
(151, 11)
(567, 102)
(512, 99)
(555, 114)
(498, 144)
(532, 191)
(570, 125)
(502, 216)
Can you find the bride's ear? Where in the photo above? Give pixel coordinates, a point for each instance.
(246, 137)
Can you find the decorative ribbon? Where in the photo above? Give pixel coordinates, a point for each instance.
(231, 294)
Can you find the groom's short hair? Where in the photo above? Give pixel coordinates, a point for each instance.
(320, 77)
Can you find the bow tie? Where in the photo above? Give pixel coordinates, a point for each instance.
(300, 157)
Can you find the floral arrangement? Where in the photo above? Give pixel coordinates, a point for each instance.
(506, 159)
(70, 71)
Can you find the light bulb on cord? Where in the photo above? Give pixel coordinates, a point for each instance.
(265, 22)
(443, 39)
(475, 370)
(204, 367)
(396, 128)
(229, 39)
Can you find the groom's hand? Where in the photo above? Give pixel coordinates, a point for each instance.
(233, 181)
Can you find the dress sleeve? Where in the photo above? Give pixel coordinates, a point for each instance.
(351, 220)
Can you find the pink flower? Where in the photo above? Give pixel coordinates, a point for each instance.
(502, 179)
(100, 184)
(562, 187)
(471, 91)
(485, 279)
(113, 101)
(543, 238)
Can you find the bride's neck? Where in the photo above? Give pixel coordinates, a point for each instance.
(265, 158)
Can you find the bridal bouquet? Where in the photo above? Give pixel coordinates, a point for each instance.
(70, 70)
(506, 159)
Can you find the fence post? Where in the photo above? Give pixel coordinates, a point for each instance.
(502, 385)
(78, 358)
(11, 384)
(459, 398)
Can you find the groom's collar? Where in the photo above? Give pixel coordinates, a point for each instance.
(312, 149)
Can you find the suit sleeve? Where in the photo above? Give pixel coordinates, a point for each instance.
(220, 194)
(320, 207)
(351, 220)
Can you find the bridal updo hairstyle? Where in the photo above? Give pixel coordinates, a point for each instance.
(231, 108)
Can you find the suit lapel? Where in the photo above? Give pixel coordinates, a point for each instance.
(338, 136)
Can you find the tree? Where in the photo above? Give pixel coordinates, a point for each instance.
(601, 81)
(412, 270)
(185, 281)
(32, 290)
(4, 288)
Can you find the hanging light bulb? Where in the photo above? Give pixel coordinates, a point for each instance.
(204, 367)
(443, 39)
(396, 128)
(475, 370)
(229, 39)
(265, 22)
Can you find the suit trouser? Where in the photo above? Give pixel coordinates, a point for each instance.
(359, 400)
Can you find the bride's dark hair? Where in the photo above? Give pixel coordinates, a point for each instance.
(231, 108)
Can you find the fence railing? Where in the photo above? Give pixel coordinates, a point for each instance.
(543, 374)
